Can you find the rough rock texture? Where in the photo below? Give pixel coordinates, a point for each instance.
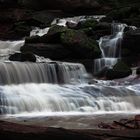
(12, 131)
(119, 70)
(78, 42)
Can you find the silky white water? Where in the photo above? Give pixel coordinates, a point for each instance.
(110, 47)
(51, 88)
(48, 98)
(48, 72)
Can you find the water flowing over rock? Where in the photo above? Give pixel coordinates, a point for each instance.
(52, 99)
(52, 72)
(110, 47)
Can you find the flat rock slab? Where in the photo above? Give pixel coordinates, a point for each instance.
(12, 131)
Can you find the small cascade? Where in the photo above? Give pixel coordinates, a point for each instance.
(110, 47)
(51, 72)
(9, 47)
(49, 98)
(63, 21)
(39, 32)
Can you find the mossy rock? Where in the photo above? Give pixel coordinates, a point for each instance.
(119, 70)
(56, 29)
(87, 23)
(129, 15)
(79, 42)
(54, 34)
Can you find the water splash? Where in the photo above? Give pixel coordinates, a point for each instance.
(39, 32)
(48, 98)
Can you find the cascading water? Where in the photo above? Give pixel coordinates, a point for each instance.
(52, 72)
(110, 47)
(49, 98)
(59, 87)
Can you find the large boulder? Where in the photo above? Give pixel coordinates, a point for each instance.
(119, 70)
(52, 51)
(78, 42)
(22, 57)
(87, 23)
(101, 29)
(130, 50)
(131, 41)
(53, 36)
(126, 14)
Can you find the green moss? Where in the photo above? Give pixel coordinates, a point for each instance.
(87, 23)
(121, 66)
(56, 29)
(79, 41)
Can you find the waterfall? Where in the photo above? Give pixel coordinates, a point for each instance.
(52, 72)
(9, 47)
(110, 47)
(48, 98)
(60, 87)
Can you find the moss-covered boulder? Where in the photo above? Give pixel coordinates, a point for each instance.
(87, 23)
(53, 36)
(119, 70)
(97, 30)
(78, 42)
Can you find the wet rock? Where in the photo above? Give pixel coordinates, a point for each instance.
(54, 33)
(78, 42)
(22, 57)
(87, 23)
(131, 41)
(47, 16)
(52, 51)
(53, 36)
(71, 25)
(100, 30)
(127, 14)
(119, 70)
(102, 74)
